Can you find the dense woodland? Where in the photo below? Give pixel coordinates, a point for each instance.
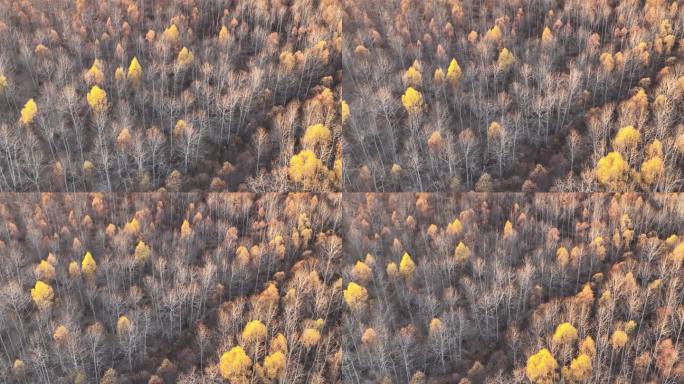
(170, 288)
(140, 95)
(520, 95)
(513, 288)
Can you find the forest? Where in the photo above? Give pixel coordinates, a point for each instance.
(520, 95)
(513, 288)
(191, 95)
(170, 288)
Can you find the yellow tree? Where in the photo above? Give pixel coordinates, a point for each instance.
(185, 58)
(611, 170)
(89, 266)
(454, 73)
(29, 112)
(652, 170)
(407, 266)
(142, 252)
(541, 367)
(565, 334)
(627, 139)
(134, 72)
(45, 271)
(274, 365)
(412, 101)
(505, 60)
(579, 370)
(42, 294)
(171, 35)
(94, 75)
(97, 99)
(254, 332)
(310, 337)
(355, 296)
(461, 253)
(234, 364)
(317, 135)
(306, 168)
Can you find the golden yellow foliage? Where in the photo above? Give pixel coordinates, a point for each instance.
(74, 270)
(462, 253)
(94, 75)
(627, 138)
(494, 131)
(305, 168)
(494, 34)
(565, 334)
(97, 99)
(223, 35)
(392, 270)
(29, 112)
(618, 339)
(547, 36)
(677, 254)
(89, 266)
(586, 296)
(607, 62)
(134, 72)
(435, 140)
(436, 327)
(439, 76)
(455, 227)
(362, 272)
(171, 34)
(3, 84)
(579, 370)
(412, 101)
(413, 77)
(44, 271)
(142, 252)
(407, 266)
(234, 364)
(344, 111)
(454, 73)
(42, 294)
(185, 230)
(652, 170)
(541, 367)
(123, 325)
(278, 343)
(588, 347)
(132, 227)
(254, 332)
(562, 257)
(274, 365)
(355, 296)
(505, 60)
(611, 170)
(185, 58)
(508, 230)
(316, 135)
(310, 337)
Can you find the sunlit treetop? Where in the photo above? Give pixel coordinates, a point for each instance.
(541, 367)
(627, 138)
(611, 170)
(43, 295)
(494, 34)
(254, 332)
(412, 101)
(547, 36)
(29, 112)
(134, 72)
(185, 58)
(171, 35)
(274, 365)
(355, 296)
(579, 370)
(505, 60)
(97, 99)
(454, 73)
(235, 364)
(94, 75)
(223, 35)
(315, 136)
(619, 339)
(413, 77)
(462, 253)
(407, 266)
(565, 334)
(88, 265)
